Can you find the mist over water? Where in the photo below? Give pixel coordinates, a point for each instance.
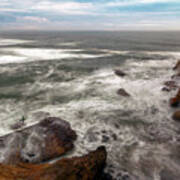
(71, 75)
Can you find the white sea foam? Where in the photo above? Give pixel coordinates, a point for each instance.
(99, 108)
(6, 42)
(33, 54)
(6, 59)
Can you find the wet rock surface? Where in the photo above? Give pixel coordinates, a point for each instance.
(176, 116)
(175, 101)
(171, 85)
(88, 167)
(48, 139)
(119, 72)
(177, 66)
(122, 92)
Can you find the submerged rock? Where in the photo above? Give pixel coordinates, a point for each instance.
(171, 84)
(123, 92)
(17, 125)
(119, 73)
(88, 167)
(48, 139)
(176, 116)
(166, 89)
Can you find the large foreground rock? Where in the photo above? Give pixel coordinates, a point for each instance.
(48, 139)
(88, 167)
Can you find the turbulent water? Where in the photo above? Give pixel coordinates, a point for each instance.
(71, 75)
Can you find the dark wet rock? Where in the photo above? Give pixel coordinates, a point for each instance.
(105, 139)
(123, 92)
(119, 72)
(88, 167)
(17, 125)
(170, 84)
(177, 66)
(175, 101)
(176, 116)
(48, 139)
(166, 89)
(176, 76)
(114, 137)
(106, 176)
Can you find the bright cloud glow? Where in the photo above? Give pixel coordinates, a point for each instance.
(90, 14)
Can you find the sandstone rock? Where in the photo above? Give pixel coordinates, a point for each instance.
(48, 139)
(123, 92)
(119, 73)
(176, 116)
(88, 167)
(175, 101)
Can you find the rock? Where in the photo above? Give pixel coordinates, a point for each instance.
(88, 167)
(175, 76)
(177, 66)
(119, 73)
(17, 125)
(48, 139)
(171, 84)
(122, 92)
(166, 89)
(175, 101)
(176, 116)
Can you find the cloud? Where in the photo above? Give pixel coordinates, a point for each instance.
(137, 2)
(35, 19)
(69, 8)
(89, 14)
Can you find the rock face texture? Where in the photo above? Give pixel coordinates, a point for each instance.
(88, 167)
(48, 139)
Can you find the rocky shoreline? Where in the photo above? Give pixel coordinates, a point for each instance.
(173, 84)
(26, 152)
(31, 153)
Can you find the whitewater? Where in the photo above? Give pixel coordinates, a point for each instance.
(72, 77)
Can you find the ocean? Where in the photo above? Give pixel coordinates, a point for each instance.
(71, 75)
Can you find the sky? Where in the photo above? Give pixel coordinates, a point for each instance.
(90, 15)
